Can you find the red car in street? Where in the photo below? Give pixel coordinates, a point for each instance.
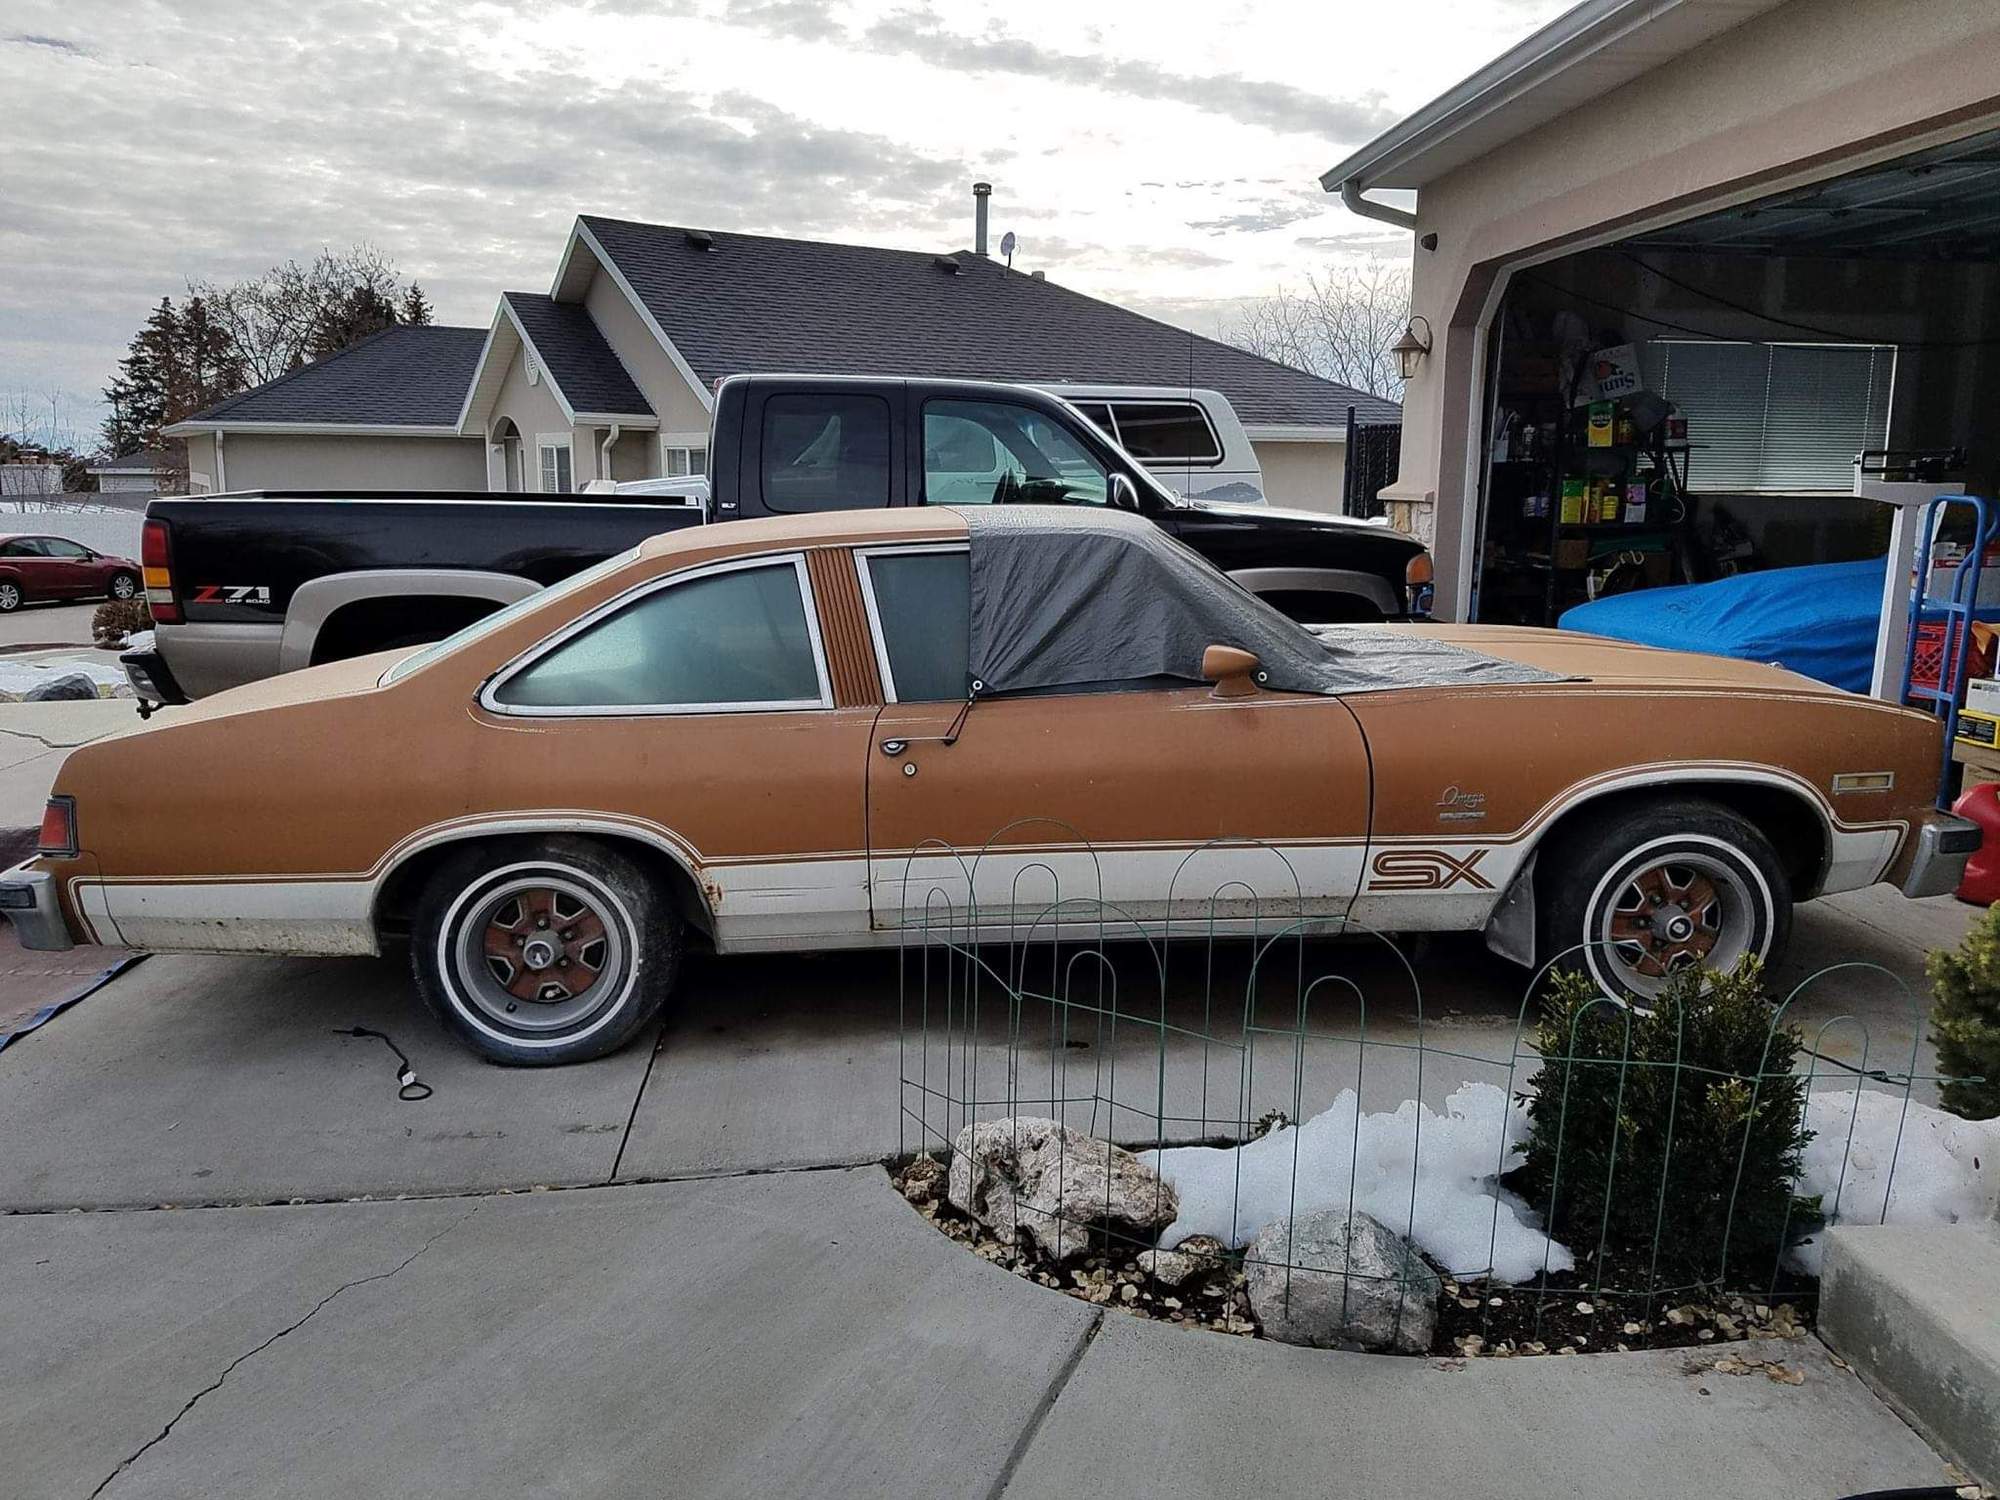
(53, 567)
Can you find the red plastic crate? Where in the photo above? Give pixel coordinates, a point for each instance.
(1927, 665)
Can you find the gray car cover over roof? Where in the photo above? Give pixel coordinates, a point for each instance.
(1064, 597)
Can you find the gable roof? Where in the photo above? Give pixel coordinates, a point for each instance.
(145, 461)
(737, 303)
(405, 377)
(575, 356)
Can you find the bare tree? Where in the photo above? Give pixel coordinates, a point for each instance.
(285, 317)
(1340, 327)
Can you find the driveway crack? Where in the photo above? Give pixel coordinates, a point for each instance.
(216, 1384)
(1050, 1397)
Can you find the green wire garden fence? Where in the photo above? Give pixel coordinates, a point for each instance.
(1299, 1053)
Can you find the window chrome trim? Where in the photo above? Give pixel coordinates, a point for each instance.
(864, 556)
(632, 597)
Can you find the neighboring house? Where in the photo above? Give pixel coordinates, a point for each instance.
(1792, 201)
(611, 373)
(135, 473)
(382, 414)
(31, 477)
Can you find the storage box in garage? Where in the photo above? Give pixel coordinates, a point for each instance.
(1978, 726)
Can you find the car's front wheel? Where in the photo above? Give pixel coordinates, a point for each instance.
(1641, 892)
(123, 586)
(544, 951)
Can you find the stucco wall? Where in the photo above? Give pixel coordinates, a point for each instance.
(680, 409)
(1808, 90)
(201, 463)
(533, 409)
(1304, 476)
(375, 463)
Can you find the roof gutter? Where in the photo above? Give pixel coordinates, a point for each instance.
(1368, 208)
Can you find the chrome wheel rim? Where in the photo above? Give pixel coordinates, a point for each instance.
(122, 587)
(535, 954)
(9, 596)
(1676, 911)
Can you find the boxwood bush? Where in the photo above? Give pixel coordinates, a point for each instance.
(1639, 1121)
(1965, 1019)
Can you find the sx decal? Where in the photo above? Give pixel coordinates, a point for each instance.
(1427, 870)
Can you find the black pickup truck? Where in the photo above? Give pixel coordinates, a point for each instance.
(246, 585)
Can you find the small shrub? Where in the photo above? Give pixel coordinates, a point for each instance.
(1965, 1019)
(1661, 1156)
(118, 618)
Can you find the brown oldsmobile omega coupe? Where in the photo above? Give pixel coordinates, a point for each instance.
(756, 731)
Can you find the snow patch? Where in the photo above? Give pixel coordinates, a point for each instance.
(1460, 1216)
(18, 679)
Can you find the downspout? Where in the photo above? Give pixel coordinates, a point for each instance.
(604, 451)
(1368, 208)
(221, 463)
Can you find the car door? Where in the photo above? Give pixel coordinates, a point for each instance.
(1139, 803)
(28, 559)
(72, 571)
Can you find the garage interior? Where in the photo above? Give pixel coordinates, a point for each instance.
(1745, 359)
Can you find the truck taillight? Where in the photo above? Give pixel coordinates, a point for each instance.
(156, 560)
(58, 828)
(1417, 577)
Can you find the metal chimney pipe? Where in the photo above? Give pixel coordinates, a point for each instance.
(981, 191)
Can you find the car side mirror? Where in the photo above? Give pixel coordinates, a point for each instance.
(1232, 670)
(1124, 494)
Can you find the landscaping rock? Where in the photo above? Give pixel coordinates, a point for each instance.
(1372, 1306)
(71, 687)
(1037, 1180)
(1194, 1256)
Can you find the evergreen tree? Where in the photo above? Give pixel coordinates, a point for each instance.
(180, 363)
(1965, 1020)
(416, 307)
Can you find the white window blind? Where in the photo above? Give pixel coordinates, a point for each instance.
(556, 473)
(1775, 416)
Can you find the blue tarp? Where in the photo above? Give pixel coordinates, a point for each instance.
(1818, 620)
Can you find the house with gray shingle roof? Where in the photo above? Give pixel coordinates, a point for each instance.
(612, 372)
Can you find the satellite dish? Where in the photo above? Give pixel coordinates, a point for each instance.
(1007, 243)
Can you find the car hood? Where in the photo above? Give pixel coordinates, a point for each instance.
(1598, 658)
(1318, 520)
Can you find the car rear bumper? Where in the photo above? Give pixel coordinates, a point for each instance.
(1943, 844)
(28, 900)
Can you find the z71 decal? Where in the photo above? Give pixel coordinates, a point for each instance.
(230, 593)
(1427, 870)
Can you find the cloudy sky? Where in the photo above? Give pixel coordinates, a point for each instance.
(1162, 155)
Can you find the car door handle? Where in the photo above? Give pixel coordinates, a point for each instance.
(894, 747)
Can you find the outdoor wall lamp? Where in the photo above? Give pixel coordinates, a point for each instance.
(1411, 348)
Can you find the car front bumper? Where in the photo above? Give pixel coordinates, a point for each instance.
(28, 900)
(1944, 844)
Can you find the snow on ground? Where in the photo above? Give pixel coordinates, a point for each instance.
(1459, 1215)
(20, 678)
(1947, 1170)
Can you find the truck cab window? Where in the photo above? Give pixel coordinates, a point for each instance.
(997, 453)
(825, 451)
(1167, 432)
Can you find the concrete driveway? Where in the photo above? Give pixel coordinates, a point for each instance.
(234, 1263)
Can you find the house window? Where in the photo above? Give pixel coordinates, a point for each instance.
(557, 475)
(678, 460)
(1775, 417)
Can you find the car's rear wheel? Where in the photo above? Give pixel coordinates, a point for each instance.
(544, 951)
(1641, 892)
(10, 596)
(123, 586)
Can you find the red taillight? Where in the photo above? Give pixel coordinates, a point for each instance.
(58, 828)
(156, 561)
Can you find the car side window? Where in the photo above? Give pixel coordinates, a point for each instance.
(68, 551)
(921, 602)
(15, 549)
(825, 451)
(718, 643)
(28, 546)
(997, 453)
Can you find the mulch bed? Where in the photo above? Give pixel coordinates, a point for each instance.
(1476, 1319)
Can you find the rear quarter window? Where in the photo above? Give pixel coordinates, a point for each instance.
(824, 451)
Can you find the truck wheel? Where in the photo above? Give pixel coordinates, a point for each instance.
(544, 951)
(10, 596)
(1635, 896)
